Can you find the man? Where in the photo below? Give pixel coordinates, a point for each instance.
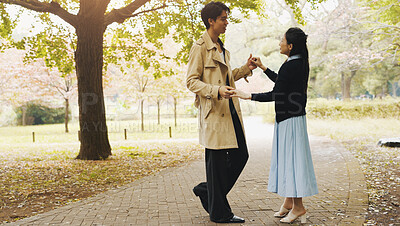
(221, 132)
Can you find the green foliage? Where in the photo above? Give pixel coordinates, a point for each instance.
(294, 5)
(180, 18)
(39, 114)
(389, 10)
(6, 27)
(6, 24)
(56, 45)
(126, 47)
(333, 109)
(185, 24)
(384, 22)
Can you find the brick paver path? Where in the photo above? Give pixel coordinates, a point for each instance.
(166, 198)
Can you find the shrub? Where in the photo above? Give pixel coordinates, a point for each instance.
(37, 114)
(355, 109)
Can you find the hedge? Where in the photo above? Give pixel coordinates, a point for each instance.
(354, 109)
(38, 114)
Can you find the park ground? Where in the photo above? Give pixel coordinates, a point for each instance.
(37, 177)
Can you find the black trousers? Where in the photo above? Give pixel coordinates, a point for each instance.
(223, 168)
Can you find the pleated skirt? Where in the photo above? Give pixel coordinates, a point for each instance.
(292, 171)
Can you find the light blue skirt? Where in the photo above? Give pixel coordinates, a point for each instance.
(292, 171)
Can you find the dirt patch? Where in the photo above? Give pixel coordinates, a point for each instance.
(36, 184)
(381, 167)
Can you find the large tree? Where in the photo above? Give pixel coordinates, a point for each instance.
(90, 20)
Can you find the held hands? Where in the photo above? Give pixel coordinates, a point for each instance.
(226, 91)
(241, 94)
(256, 61)
(252, 63)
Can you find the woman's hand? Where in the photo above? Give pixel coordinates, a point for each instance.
(257, 61)
(250, 63)
(241, 94)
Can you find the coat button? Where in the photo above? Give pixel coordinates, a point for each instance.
(222, 115)
(219, 81)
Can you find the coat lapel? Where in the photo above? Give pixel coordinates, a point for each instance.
(211, 46)
(217, 57)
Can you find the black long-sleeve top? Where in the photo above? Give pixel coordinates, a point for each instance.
(289, 92)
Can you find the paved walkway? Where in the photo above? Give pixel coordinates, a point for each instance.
(166, 198)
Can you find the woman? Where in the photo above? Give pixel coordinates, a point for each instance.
(292, 172)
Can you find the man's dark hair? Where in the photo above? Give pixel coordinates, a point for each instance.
(212, 10)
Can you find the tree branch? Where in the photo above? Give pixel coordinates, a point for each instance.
(120, 15)
(149, 10)
(44, 7)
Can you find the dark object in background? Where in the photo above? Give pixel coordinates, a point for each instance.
(389, 142)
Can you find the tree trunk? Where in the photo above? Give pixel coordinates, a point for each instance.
(394, 88)
(142, 114)
(346, 84)
(158, 111)
(89, 65)
(325, 45)
(175, 103)
(66, 115)
(23, 115)
(384, 89)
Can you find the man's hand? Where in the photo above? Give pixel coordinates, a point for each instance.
(250, 63)
(225, 91)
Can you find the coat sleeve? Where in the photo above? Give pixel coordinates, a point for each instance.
(242, 72)
(195, 73)
(268, 96)
(263, 97)
(282, 84)
(271, 75)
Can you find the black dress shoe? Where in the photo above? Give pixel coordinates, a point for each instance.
(234, 219)
(203, 197)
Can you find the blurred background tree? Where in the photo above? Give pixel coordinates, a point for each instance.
(353, 50)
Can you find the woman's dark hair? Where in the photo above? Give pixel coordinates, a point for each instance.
(298, 39)
(212, 10)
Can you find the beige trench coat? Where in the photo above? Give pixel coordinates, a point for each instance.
(207, 71)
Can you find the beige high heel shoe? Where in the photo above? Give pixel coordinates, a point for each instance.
(282, 212)
(291, 217)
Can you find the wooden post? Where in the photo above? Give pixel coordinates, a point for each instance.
(170, 132)
(33, 137)
(126, 137)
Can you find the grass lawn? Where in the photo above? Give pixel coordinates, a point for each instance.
(381, 165)
(347, 129)
(37, 177)
(55, 133)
